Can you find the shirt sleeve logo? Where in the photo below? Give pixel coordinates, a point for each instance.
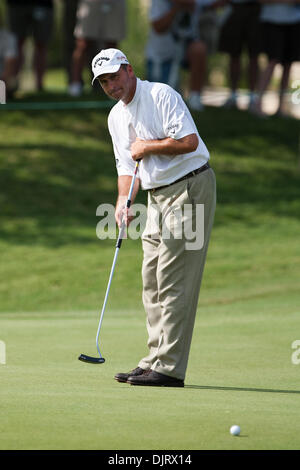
(172, 129)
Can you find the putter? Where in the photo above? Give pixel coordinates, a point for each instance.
(100, 359)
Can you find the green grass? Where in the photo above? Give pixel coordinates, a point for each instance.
(239, 372)
(56, 167)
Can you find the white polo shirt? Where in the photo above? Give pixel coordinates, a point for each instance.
(155, 112)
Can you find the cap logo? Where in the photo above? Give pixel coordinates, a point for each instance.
(100, 59)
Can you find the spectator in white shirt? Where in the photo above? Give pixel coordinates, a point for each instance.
(174, 43)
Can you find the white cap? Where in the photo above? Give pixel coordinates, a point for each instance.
(108, 61)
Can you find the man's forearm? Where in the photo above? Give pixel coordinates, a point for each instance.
(168, 146)
(124, 183)
(171, 146)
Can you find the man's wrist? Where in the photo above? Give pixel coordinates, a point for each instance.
(148, 147)
(121, 201)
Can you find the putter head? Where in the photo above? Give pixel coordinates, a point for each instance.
(91, 360)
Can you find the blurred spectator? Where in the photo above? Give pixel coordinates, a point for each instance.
(69, 22)
(101, 23)
(240, 30)
(174, 42)
(180, 36)
(36, 18)
(8, 58)
(209, 27)
(281, 43)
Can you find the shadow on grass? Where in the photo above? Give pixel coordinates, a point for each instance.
(240, 389)
(94, 94)
(57, 167)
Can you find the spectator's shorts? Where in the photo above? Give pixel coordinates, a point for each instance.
(29, 20)
(281, 42)
(209, 29)
(242, 29)
(101, 20)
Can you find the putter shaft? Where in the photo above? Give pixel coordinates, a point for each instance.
(100, 360)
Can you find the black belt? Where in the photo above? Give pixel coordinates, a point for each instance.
(189, 175)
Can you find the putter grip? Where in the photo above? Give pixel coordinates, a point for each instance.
(128, 204)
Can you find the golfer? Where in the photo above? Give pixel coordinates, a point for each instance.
(151, 123)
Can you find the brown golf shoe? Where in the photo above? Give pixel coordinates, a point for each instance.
(123, 377)
(155, 379)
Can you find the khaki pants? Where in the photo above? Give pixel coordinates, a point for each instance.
(172, 273)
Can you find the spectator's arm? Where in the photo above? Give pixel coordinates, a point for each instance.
(162, 24)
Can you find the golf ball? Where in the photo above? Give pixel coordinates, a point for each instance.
(235, 430)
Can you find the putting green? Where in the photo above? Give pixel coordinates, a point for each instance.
(57, 166)
(240, 372)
